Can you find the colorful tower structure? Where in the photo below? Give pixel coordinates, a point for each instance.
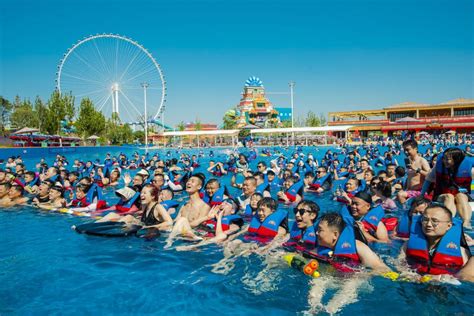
(254, 108)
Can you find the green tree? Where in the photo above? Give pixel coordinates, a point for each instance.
(5, 111)
(197, 125)
(181, 126)
(314, 120)
(230, 121)
(286, 124)
(60, 107)
(90, 121)
(139, 135)
(24, 115)
(118, 134)
(41, 111)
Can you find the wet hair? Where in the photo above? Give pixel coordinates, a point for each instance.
(31, 174)
(87, 180)
(334, 220)
(440, 206)
(59, 189)
(372, 172)
(18, 188)
(211, 181)
(410, 142)
(357, 181)
(417, 202)
(456, 154)
(257, 194)
(400, 171)
(155, 192)
(254, 181)
(385, 188)
(200, 176)
(312, 206)
(294, 179)
(170, 191)
(258, 175)
(268, 202)
(364, 196)
(83, 187)
(7, 185)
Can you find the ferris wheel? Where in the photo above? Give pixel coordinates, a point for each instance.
(117, 74)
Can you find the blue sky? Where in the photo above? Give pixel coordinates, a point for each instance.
(342, 54)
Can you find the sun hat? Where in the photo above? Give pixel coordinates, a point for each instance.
(125, 192)
(143, 172)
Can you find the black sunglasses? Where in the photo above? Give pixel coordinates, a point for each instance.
(301, 211)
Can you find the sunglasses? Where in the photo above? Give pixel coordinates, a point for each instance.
(301, 211)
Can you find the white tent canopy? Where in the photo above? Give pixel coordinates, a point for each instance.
(27, 130)
(199, 133)
(341, 128)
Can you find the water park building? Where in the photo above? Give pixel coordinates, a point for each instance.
(254, 107)
(456, 115)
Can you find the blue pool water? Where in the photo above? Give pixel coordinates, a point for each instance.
(46, 268)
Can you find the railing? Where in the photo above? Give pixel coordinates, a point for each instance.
(422, 120)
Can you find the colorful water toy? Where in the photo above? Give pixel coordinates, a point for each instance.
(308, 267)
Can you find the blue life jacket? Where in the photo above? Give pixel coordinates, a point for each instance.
(344, 256)
(33, 182)
(169, 204)
(217, 198)
(263, 187)
(403, 228)
(125, 206)
(372, 219)
(447, 258)
(308, 238)
(318, 182)
(294, 190)
(94, 192)
(248, 211)
(226, 222)
(462, 178)
(268, 229)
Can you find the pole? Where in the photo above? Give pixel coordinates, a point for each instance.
(145, 86)
(292, 85)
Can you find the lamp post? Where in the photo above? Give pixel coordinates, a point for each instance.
(292, 86)
(145, 86)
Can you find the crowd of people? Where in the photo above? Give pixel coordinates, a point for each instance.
(424, 199)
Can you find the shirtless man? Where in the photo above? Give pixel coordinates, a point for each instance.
(193, 213)
(15, 197)
(4, 188)
(248, 189)
(417, 170)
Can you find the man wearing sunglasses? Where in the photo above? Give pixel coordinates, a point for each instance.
(302, 233)
(322, 182)
(437, 245)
